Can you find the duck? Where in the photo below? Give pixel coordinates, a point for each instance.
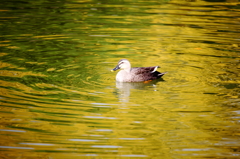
(135, 74)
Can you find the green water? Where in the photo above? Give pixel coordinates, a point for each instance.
(59, 99)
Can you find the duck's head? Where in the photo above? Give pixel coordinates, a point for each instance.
(123, 64)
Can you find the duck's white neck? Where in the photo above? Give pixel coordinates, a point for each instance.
(127, 68)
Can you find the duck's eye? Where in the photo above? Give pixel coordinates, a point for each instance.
(120, 64)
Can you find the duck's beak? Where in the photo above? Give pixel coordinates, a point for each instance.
(115, 69)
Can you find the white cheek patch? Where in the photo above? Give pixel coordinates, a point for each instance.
(121, 65)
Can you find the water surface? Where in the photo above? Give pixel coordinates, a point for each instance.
(60, 100)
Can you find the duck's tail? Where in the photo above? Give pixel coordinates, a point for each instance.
(161, 74)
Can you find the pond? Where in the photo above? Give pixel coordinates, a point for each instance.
(59, 98)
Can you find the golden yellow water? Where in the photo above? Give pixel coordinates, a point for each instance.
(59, 99)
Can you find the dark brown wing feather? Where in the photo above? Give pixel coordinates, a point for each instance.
(143, 70)
(145, 73)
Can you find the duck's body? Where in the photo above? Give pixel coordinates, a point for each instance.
(135, 74)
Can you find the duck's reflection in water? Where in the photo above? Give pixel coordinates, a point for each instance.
(124, 88)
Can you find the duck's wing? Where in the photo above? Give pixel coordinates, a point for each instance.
(144, 70)
(144, 73)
